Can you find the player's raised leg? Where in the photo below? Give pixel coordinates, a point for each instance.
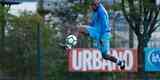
(105, 47)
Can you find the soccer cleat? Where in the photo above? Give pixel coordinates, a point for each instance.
(121, 63)
(122, 66)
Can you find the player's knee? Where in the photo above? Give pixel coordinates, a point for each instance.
(104, 55)
(104, 52)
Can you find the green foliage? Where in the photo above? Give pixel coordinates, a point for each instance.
(3, 61)
(116, 7)
(20, 45)
(23, 34)
(82, 7)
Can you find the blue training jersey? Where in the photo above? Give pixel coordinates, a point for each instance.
(100, 20)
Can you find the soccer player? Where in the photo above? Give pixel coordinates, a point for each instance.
(100, 31)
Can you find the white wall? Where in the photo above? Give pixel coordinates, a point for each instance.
(25, 6)
(158, 2)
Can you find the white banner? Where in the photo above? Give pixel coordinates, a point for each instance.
(89, 60)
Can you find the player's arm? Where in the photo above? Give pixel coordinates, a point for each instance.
(104, 21)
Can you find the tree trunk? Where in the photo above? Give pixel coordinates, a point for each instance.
(131, 38)
(131, 45)
(2, 42)
(2, 21)
(142, 44)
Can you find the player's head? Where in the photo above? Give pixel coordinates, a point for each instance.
(94, 4)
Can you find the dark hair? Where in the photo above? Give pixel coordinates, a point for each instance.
(93, 2)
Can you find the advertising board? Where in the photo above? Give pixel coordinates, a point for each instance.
(152, 59)
(90, 60)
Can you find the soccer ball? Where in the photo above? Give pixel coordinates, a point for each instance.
(71, 41)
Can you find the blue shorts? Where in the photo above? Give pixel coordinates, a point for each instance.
(104, 46)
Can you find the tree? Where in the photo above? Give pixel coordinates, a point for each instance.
(2, 25)
(142, 16)
(4, 55)
(21, 45)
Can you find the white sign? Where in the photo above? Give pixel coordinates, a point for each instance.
(91, 60)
